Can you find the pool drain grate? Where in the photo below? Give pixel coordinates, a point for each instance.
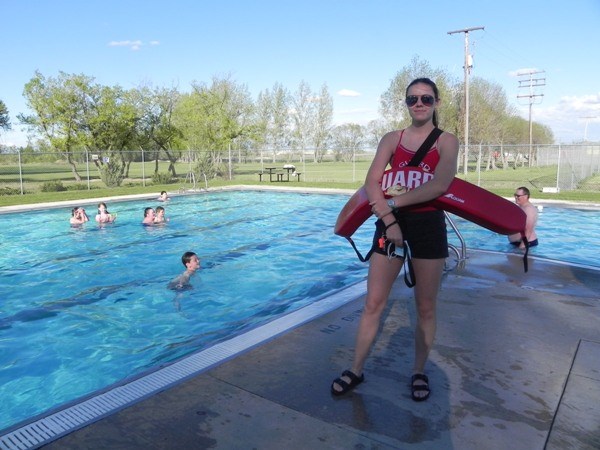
(69, 419)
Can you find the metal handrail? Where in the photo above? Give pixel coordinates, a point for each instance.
(461, 255)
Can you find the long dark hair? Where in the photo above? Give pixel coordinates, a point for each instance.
(436, 93)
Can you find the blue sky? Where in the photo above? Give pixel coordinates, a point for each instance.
(355, 47)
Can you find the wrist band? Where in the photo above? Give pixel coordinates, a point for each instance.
(387, 214)
(395, 222)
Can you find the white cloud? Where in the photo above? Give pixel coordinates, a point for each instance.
(154, 42)
(133, 45)
(348, 93)
(589, 102)
(572, 119)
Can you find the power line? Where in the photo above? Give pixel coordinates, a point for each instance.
(498, 47)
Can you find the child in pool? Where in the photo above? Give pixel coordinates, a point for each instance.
(160, 215)
(103, 215)
(191, 262)
(78, 216)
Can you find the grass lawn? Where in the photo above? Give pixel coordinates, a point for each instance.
(336, 175)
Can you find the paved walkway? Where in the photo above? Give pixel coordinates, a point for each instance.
(516, 366)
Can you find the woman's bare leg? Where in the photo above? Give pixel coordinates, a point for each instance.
(382, 274)
(428, 274)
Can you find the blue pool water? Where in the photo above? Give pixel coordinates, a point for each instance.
(565, 234)
(86, 307)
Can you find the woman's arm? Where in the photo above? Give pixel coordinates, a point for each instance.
(385, 151)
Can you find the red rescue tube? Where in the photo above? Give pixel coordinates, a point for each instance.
(462, 198)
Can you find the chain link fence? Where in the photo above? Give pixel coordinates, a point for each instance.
(543, 168)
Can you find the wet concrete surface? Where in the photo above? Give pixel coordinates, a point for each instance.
(516, 365)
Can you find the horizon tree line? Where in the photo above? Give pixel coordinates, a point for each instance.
(71, 113)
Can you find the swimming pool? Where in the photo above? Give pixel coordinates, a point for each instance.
(85, 307)
(567, 234)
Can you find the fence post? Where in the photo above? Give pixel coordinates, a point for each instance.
(20, 172)
(229, 164)
(143, 169)
(87, 167)
(479, 166)
(558, 170)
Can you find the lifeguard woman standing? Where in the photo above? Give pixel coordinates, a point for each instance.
(423, 228)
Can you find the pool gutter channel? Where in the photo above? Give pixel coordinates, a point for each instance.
(52, 426)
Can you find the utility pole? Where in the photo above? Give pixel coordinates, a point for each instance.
(531, 83)
(587, 122)
(468, 65)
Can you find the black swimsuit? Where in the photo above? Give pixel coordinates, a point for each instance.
(424, 231)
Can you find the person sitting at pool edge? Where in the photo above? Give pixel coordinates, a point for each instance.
(191, 262)
(522, 199)
(78, 216)
(149, 216)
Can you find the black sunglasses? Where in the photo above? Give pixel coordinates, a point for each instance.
(427, 100)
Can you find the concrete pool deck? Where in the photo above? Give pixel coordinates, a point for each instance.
(516, 365)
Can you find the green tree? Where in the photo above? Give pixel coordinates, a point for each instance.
(216, 116)
(303, 117)
(4, 117)
(279, 124)
(542, 134)
(322, 123)
(347, 140)
(58, 106)
(393, 109)
(272, 120)
(157, 126)
(186, 118)
(515, 130)
(489, 107)
(110, 129)
(375, 130)
(263, 113)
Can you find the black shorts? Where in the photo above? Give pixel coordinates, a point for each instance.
(425, 233)
(531, 244)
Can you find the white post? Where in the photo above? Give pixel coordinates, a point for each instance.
(479, 166)
(20, 172)
(467, 68)
(558, 169)
(143, 170)
(230, 161)
(87, 167)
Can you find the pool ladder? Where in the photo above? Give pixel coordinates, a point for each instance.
(461, 254)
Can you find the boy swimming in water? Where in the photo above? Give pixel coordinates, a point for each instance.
(191, 263)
